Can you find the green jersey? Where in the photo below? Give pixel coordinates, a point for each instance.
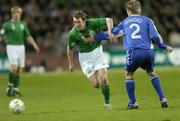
(16, 32)
(76, 37)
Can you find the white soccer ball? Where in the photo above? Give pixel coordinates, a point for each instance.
(16, 106)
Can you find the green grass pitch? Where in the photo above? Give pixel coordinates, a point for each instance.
(66, 96)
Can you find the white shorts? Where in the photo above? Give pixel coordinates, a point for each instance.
(16, 55)
(92, 61)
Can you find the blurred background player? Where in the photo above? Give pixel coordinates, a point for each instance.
(139, 32)
(16, 32)
(91, 56)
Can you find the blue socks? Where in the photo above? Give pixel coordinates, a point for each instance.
(130, 87)
(156, 84)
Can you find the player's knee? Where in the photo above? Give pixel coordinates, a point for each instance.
(105, 82)
(19, 70)
(129, 78)
(129, 75)
(14, 70)
(100, 77)
(103, 79)
(96, 85)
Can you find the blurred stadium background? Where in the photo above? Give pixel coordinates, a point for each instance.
(64, 96)
(50, 20)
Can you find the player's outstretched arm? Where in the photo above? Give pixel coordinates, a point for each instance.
(157, 38)
(103, 36)
(109, 22)
(154, 35)
(116, 31)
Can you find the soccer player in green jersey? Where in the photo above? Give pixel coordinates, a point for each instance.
(91, 56)
(16, 32)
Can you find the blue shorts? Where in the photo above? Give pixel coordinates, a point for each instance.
(139, 58)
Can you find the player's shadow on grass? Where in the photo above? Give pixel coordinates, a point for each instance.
(115, 109)
(43, 113)
(60, 112)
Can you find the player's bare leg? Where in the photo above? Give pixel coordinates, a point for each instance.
(94, 80)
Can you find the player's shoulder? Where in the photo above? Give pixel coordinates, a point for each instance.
(92, 21)
(95, 19)
(139, 17)
(22, 22)
(7, 22)
(147, 19)
(73, 31)
(72, 34)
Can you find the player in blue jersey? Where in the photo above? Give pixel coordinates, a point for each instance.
(139, 32)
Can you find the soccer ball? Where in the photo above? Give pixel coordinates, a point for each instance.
(16, 106)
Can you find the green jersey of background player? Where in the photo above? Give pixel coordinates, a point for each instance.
(91, 56)
(16, 33)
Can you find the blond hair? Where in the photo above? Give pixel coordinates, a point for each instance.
(16, 9)
(134, 6)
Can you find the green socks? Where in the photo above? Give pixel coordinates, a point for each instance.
(16, 81)
(106, 92)
(13, 80)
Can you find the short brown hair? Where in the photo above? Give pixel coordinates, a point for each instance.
(16, 9)
(134, 6)
(80, 14)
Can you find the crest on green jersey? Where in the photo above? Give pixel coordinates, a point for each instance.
(22, 26)
(86, 34)
(13, 27)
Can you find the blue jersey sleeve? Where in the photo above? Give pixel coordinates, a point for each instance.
(155, 36)
(117, 31)
(101, 36)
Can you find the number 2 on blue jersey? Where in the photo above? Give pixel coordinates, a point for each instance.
(135, 34)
